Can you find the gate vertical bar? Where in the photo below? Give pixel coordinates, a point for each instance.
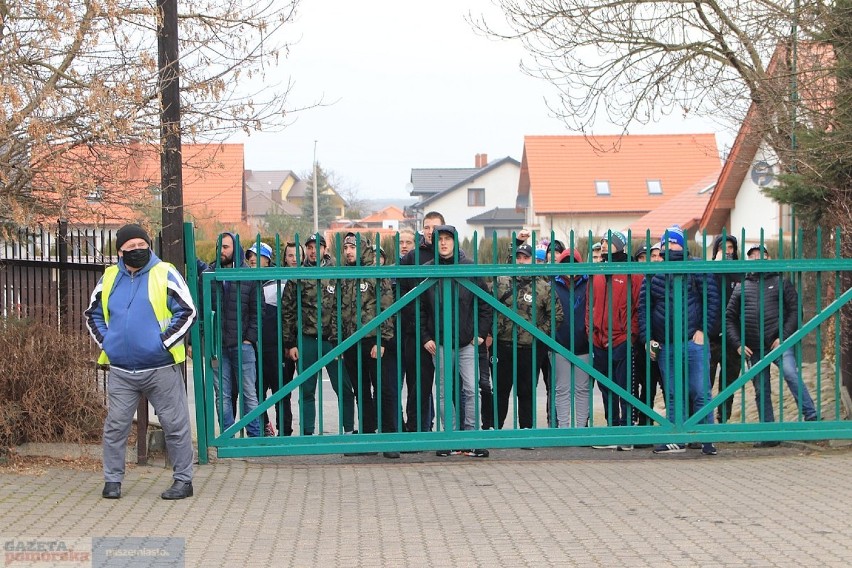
(679, 351)
(195, 339)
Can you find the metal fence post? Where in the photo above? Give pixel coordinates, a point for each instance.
(62, 277)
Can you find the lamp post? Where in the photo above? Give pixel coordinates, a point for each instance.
(316, 199)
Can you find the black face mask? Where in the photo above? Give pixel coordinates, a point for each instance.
(136, 258)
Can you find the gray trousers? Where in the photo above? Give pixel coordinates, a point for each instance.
(164, 388)
(566, 384)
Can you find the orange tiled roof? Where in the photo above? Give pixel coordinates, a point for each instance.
(212, 182)
(561, 171)
(684, 209)
(390, 212)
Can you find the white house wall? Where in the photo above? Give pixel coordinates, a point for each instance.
(501, 190)
(753, 210)
(562, 225)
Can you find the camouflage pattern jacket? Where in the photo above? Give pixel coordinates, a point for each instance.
(520, 298)
(303, 292)
(360, 296)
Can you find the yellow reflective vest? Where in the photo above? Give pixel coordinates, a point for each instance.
(158, 277)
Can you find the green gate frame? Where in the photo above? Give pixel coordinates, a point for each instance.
(681, 430)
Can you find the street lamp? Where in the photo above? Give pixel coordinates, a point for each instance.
(316, 199)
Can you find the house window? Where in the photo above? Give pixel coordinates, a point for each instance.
(655, 186)
(95, 195)
(476, 197)
(602, 187)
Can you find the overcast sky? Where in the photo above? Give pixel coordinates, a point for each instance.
(413, 86)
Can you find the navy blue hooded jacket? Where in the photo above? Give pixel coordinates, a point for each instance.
(229, 293)
(661, 307)
(575, 325)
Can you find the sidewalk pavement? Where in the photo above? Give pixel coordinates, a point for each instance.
(785, 506)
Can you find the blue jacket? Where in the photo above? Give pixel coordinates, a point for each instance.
(575, 325)
(659, 307)
(133, 339)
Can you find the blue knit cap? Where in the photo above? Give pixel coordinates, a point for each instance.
(674, 234)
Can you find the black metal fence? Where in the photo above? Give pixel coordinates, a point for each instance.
(48, 276)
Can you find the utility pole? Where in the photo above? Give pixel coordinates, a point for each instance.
(316, 198)
(171, 182)
(171, 179)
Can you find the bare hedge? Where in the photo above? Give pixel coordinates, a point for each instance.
(49, 387)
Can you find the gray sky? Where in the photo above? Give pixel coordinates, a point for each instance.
(413, 86)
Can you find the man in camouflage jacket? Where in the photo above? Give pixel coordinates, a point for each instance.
(530, 298)
(362, 299)
(310, 330)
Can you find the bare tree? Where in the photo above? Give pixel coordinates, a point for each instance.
(79, 79)
(631, 62)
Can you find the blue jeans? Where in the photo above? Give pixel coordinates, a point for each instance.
(696, 364)
(463, 362)
(225, 378)
(763, 387)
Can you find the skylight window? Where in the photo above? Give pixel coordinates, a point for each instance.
(655, 186)
(602, 187)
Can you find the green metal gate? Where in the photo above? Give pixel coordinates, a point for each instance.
(813, 278)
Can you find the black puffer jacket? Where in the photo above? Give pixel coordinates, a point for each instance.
(726, 282)
(431, 308)
(226, 294)
(424, 253)
(776, 292)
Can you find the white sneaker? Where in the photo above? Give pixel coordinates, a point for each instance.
(610, 447)
(625, 448)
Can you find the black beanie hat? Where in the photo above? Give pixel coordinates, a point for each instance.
(128, 232)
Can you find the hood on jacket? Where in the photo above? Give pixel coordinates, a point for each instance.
(565, 258)
(239, 258)
(366, 250)
(717, 244)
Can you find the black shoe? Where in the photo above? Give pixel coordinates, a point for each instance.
(767, 444)
(478, 453)
(694, 445)
(178, 490)
(112, 490)
(443, 453)
(391, 455)
(358, 454)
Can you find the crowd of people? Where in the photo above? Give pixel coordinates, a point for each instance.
(456, 359)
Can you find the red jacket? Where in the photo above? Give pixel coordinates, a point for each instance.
(599, 295)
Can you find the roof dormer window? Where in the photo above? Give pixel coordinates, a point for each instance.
(655, 186)
(602, 187)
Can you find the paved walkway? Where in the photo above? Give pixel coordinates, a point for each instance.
(556, 507)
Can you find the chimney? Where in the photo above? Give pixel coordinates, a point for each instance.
(481, 160)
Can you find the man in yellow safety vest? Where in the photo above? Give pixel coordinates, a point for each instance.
(139, 314)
